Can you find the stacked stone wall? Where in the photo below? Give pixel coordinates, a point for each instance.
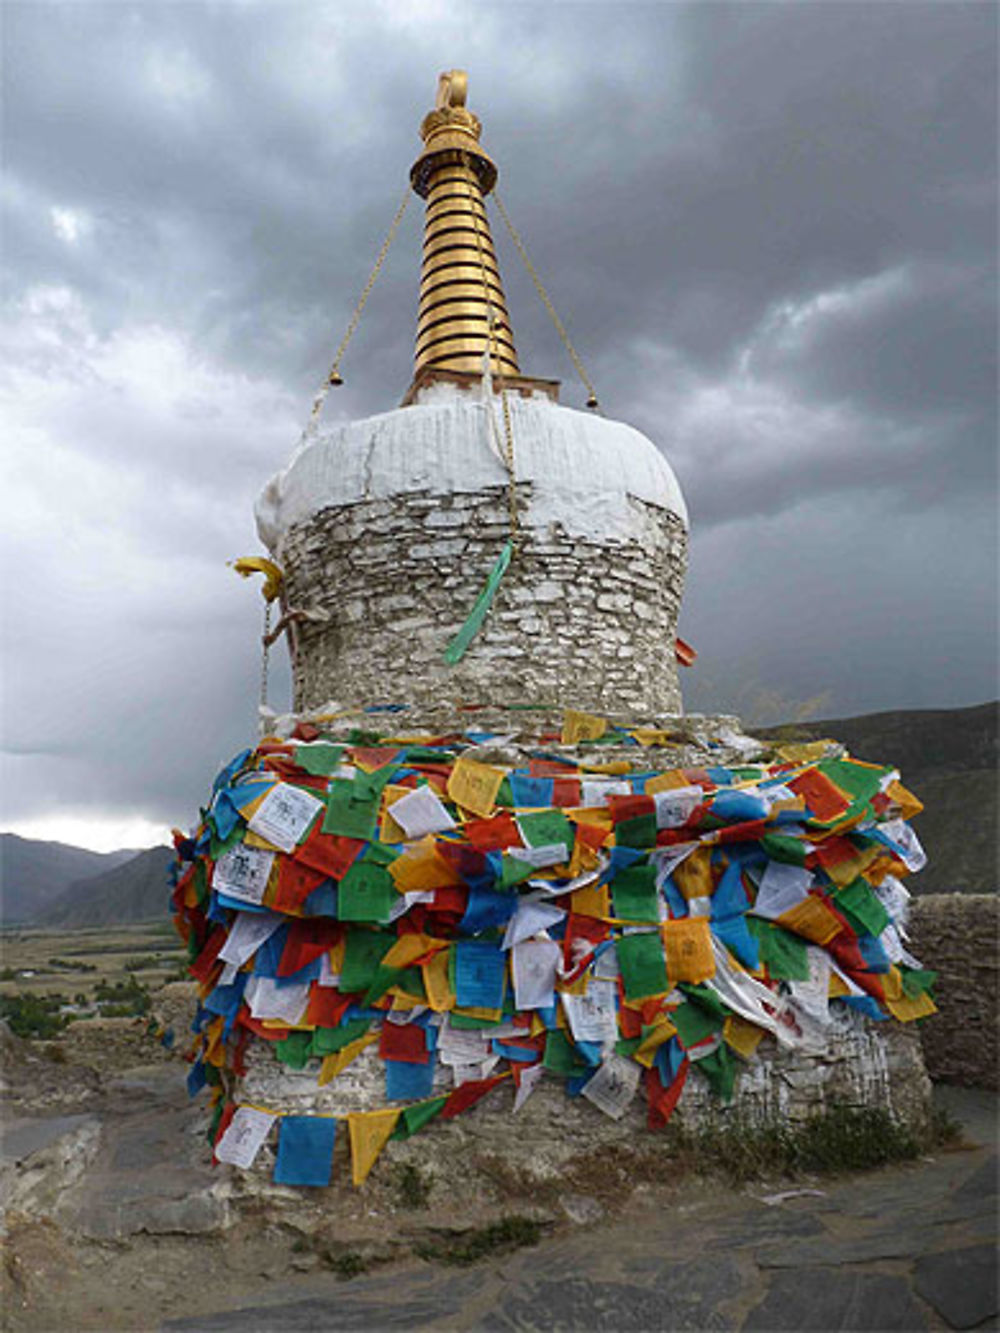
(589, 622)
(957, 935)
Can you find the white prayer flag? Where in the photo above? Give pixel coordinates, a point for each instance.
(244, 1136)
(284, 815)
(421, 812)
(242, 872)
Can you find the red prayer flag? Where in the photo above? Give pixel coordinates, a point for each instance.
(661, 1099)
(467, 1095)
(404, 1041)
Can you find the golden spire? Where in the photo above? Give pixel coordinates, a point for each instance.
(460, 288)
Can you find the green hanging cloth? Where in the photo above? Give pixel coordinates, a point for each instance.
(457, 648)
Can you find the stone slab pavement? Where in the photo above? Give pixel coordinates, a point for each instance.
(909, 1247)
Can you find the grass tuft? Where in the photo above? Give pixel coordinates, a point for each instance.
(509, 1233)
(413, 1189)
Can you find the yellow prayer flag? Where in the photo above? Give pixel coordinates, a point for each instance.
(662, 1031)
(440, 995)
(592, 901)
(478, 1011)
(337, 952)
(693, 876)
(687, 946)
(258, 564)
(744, 1037)
(838, 987)
(596, 816)
(215, 1051)
(803, 752)
(892, 984)
(410, 947)
(474, 786)
(912, 1006)
(666, 782)
(333, 1064)
(613, 768)
(251, 839)
(420, 868)
(651, 736)
(811, 919)
(369, 1131)
(845, 872)
(389, 830)
(577, 987)
(909, 805)
(583, 858)
(578, 727)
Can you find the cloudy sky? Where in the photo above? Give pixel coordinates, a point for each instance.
(769, 227)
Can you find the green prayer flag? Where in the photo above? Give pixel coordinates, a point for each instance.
(369, 786)
(545, 828)
(213, 1124)
(858, 781)
(643, 968)
(784, 953)
(694, 1023)
(514, 871)
(363, 952)
(862, 907)
(706, 999)
(560, 1054)
(917, 980)
(457, 648)
(366, 893)
(293, 1051)
(458, 1020)
(328, 1041)
(382, 854)
(627, 1046)
(219, 846)
(720, 1070)
(779, 847)
(413, 1118)
(633, 892)
(320, 759)
(384, 978)
(637, 832)
(347, 816)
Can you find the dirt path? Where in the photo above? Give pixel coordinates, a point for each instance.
(117, 1223)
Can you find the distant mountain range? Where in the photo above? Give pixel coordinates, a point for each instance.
(49, 883)
(947, 757)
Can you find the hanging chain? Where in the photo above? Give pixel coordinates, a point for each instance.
(265, 659)
(508, 430)
(560, 327)
(334, 377)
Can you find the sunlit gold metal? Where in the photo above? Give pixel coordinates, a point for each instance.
(460, 287)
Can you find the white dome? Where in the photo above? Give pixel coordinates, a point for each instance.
(583, 468)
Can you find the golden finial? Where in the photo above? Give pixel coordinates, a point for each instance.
(462, 304)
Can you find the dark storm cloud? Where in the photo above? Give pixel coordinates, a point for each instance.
(770, 229)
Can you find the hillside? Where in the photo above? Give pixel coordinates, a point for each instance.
(134, 891)
(34, 873)
(947, 758)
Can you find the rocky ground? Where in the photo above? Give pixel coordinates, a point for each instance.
(116, 1220)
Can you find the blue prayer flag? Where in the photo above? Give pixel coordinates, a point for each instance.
(480, 967)
(305, 1150)
(407, 1082)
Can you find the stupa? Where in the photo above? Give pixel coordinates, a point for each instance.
(385, 528)
(487, 861)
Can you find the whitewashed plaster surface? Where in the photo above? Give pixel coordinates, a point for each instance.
(582, 468)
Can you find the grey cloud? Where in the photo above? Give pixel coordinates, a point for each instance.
(769, 228)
